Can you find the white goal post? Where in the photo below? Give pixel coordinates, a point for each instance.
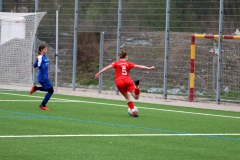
(17, 32)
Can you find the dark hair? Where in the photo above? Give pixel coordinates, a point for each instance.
(122, 54)
(40, 48)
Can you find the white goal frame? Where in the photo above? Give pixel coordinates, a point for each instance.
(17, 32)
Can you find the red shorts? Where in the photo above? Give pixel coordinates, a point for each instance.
(125, 85)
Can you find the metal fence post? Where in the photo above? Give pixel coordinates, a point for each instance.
(75, 46)
(166, 48)
(119, 33)
(101, 61)
(56, 54)
(219, 52)
(34, 79)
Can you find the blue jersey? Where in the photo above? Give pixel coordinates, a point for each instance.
(42, 63)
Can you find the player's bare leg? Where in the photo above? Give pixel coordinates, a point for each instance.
(134, 95)
(127, 97)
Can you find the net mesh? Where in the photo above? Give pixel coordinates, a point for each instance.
(17, 31)
(206, 70)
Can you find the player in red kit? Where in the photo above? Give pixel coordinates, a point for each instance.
(123, 80)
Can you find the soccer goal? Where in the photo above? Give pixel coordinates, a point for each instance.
(203, 70)
(17, 31)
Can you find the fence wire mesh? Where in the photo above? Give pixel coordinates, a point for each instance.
(143, 37)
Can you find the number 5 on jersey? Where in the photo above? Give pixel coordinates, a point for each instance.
(124, 72)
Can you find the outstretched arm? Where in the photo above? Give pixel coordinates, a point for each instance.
(103, 70)
(143, 67)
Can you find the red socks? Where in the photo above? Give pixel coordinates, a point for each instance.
(137, 91)
(130, 105)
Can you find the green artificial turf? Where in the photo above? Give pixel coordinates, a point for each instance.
(91, 128)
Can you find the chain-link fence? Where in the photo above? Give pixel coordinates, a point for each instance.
(143, 38)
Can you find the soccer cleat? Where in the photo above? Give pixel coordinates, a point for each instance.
(44, 108)
(33, 89)
(135, 114)
(137, 82)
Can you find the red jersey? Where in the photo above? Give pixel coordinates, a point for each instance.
(122, 69)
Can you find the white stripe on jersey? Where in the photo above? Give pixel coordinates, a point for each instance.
(39, 60)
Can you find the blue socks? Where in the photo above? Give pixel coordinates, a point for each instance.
(46, 98)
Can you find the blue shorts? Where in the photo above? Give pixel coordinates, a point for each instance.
(46, 84)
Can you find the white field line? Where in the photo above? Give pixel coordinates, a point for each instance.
(118, 105)
(20, 95)
(120, 135)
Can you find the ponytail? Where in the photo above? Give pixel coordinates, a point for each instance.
(122, 54)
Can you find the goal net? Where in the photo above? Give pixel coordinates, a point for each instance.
(204, 68)
(17, 32)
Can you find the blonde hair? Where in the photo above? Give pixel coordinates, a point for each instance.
(122, 54)
(40, 48)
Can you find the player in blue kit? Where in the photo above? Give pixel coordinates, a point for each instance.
(42, 62)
